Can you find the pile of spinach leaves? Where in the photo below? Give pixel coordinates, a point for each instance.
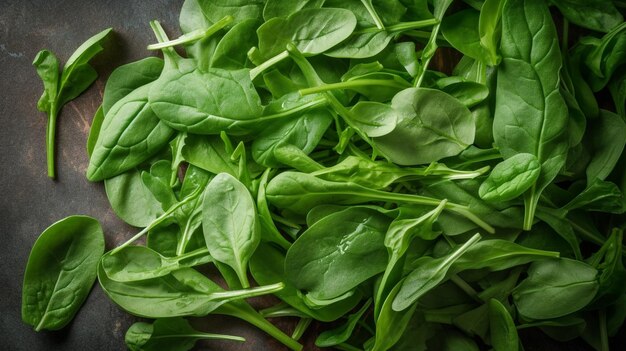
(315, 150)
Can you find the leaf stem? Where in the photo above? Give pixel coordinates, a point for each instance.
(351, 84)
(253, 317)
(604, 336)
(401, 27)
(268, 64)
(301, 327)
(50, 140)
(247, 292)
(372, 11)
(194, 35)
(530, 207)
(423, 200)
(158, 221)
(463, 285)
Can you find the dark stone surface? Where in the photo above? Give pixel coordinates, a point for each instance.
(30, 200)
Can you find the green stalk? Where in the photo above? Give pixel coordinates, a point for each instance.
(401, 27)
(372, 11)
(462, 284)
(247, 292)
(268, 64)
(206, 336)
(50, 139)
(157, 221)
(604, 336)
(301, 328)
(184, 240)
(194, 35)
(423, 200)
(251, 316)
(530, 207)
(351, 84)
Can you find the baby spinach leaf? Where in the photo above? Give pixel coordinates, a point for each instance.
(380, 175)
(349, 239)
(490, 30)
(94, 130)
(313, 31)
(498, 254)
(555, 288)
(511, 178)
(183, 292)
(391, 324)
(530, 115)
(302, 132)
(342, 333)
(268, 266)
(131, 200)
(173, 334)
(374, 118)
(214, 101)
(606, 143)
(140, 263)
(428, 274)
(502, 328)
(612, 271)
(592, 14)
(281, 8)
(377, 24)
(231, 51)
(431, 125)
(62, 86)
(461, 31)
(126, 78)
(300, 192)
(208, 153)
(229, 222)
(60, 272)
(131, 133)
(240, 10)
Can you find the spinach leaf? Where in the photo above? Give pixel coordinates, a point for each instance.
(140, 263)
(313, 31)
(303, 132)
(342, 333)
(428, 274)
(511, 178)
(267, 265)
(342, 241)
(175, 334)
(502, 327)
(62, 86)
(461, 31)
(229, 222)
(300, 192)
(60, 272)
(490, 30)
(498, 254)
(431, 125)
(555, 288)
(530, 115)
(281, 8)
(183, 292)
(231, 51)
(131, 200)
(126, 78)
(606, 143)
(592, 14)
(94, 130)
